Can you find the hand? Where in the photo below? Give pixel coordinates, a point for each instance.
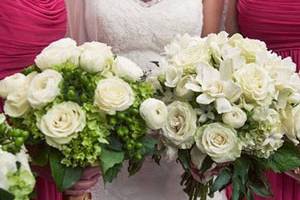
(88, 179)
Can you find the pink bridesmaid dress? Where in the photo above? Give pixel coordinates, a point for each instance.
(277, 22)
(26, 27)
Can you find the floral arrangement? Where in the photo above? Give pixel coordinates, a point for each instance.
(227, 109)
(16, 179)
(80, 106)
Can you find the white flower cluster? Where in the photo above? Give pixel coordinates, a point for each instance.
(63, 121)
(231, 95)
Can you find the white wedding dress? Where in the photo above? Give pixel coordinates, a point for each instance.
(139, 32)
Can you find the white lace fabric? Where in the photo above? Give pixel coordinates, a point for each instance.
(140, 32)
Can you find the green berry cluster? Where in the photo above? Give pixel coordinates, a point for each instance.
(128, 125)
(12, 139)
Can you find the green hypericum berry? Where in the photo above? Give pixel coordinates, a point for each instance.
(139, 145)
(138, 156)
(19, 141)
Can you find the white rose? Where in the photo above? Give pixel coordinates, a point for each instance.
(95, 56)
(44, 87)
(181, 90)
(62, 123)
(197, 157)
(236, 118)
(113, 94)
(58, 52)
(154, 112)
(180, 126)
(219, 142)
(11, 84)
(125, 68)
(173, 76)
(256, 84)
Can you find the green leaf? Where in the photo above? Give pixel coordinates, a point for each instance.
(134, 167)
(284, 159)
(184, 159)
(149, 144)
(109, 159)
(221, 181)
(64, 177)
(260, 186)
(41, 156)
(249, 195)
(207, 163)
(114, 143)
(112, 173)
(4, 195)
(241, 168)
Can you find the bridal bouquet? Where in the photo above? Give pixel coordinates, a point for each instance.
(16, 179)
(80, 106)
(228, 110)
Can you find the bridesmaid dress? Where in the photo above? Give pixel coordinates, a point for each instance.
(277, 22)
(26, 27)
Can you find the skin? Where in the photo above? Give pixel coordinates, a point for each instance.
(231, 24)
(212, 14)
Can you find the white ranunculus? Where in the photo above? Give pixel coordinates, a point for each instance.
(95, 56)
(219, 142)
(180, 126)
(181, 90)
(125, 68)
(250, 48)
(256, 84)
(197, 157)
(172, 75)
(113, 94)
(16, 103)
(44, 87)
(11, 83)
(236, 118)
(154, 112)
(214, 89)
(62, 123)
(58, 52)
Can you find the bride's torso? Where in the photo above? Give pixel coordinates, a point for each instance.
(139, 32)
(134, 29)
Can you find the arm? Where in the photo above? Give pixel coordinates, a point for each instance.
(231, 24)
(212, 13)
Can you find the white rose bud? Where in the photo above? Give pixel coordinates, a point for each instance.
(112, 95)
(11, 84)
(44, 87)
(154, 112)
(62, 123)
(219, 142)
(173, 75)
(180, 126)
(95, 56)
(125, 68)
(58, 52)
(236, 118)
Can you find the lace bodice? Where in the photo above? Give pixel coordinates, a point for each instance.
(131, 28)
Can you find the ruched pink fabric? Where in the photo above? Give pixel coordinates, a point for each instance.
(26, 27)
(277, 22)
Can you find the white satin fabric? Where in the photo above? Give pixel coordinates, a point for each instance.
(139, 32)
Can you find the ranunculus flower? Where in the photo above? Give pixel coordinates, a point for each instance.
(95, 56)
(62, 123)
(125, 68)
(236, 118)
(180, 126)
(181, 90)
(44, 87)
(16, 103)
(154, 112)
(58, 52)
(256, 84)
(219, 142)
(172, 75)
(11, 83)
(113, 94)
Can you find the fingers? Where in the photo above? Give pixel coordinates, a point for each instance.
(82, 186)
(90, 172)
